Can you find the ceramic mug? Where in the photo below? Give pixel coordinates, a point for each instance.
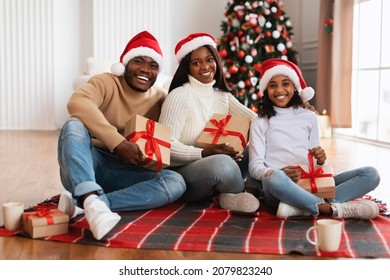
(12, 215)
(328, 234)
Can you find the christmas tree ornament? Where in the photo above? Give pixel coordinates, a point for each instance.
(276, 34)
(281, 47)
(254, 81)
(248, 59)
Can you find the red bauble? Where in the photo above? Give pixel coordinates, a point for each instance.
(243, 69)
(243, 40)
(240, 33)
(247, 83)
(223, 53)
(257, 67)
(241, 54)
(233, 69)
(268, 34)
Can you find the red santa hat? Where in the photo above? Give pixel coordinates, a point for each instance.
(276, 66)
(191, 43)
(142, 44)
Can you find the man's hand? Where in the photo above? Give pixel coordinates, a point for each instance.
(220, 149)
(129, 153)
(293, 172)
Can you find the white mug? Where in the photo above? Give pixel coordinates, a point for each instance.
(328, 234)
(12, 215)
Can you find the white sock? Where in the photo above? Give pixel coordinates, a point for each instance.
(89, 199)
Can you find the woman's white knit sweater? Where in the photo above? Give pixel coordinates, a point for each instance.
(186, 111)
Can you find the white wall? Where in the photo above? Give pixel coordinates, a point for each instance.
(304, 16)
(66, 51)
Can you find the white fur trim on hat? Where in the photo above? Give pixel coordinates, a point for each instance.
(307, 93)
(118, 68)
(193, 45)
(279, 70)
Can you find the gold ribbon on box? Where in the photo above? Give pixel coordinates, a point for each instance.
(220, 130)
(152, 144)
(313, 173)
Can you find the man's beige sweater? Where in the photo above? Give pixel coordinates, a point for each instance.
(106, 103)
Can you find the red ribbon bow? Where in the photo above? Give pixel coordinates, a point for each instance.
(312, 174)
(220, 129)
(44, 212)
(151, 145)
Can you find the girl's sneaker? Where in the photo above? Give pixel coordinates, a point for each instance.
(361, 209)
(240, 202)
(285, 210)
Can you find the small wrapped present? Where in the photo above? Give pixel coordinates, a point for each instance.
(153, 139)
(44, 222)
(225, 129)
(318, 180)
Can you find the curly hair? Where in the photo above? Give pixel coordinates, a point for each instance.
(181, 75)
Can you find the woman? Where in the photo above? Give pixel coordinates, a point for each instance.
(197, 91)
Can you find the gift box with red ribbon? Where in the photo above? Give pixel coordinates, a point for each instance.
(153, 139)
(225, 129)
(45, 222)
(319, 180)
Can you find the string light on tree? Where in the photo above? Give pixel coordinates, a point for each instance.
(253, 31)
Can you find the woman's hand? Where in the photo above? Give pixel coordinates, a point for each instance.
(319, 154)
(214, 149)
(129, 153)
(293, 173)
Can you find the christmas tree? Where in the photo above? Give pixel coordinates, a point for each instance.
(252, 32)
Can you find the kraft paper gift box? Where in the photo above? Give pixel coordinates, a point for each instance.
(153, 139)
(318, 180)
(225, 129)
(44, 222)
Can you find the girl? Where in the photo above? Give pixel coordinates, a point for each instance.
(197, 91)
(281, 138)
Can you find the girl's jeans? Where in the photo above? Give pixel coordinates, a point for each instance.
(84, 169)
(349, 185)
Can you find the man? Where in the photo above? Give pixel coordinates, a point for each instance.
(98, 166)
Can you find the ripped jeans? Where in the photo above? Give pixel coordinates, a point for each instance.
(350, 185)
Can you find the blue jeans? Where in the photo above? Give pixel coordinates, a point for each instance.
(84, 169)
(350, 185)
(216, 173)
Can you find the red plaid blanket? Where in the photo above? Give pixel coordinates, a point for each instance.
(206, 227)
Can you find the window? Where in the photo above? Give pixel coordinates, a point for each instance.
(371, 72)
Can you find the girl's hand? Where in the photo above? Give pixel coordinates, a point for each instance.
(293, 173)
(319, 154)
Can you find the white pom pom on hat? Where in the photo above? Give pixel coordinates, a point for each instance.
(277, 66)
(142, 44)
(191, 43)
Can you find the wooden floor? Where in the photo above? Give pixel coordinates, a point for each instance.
(29, 173)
